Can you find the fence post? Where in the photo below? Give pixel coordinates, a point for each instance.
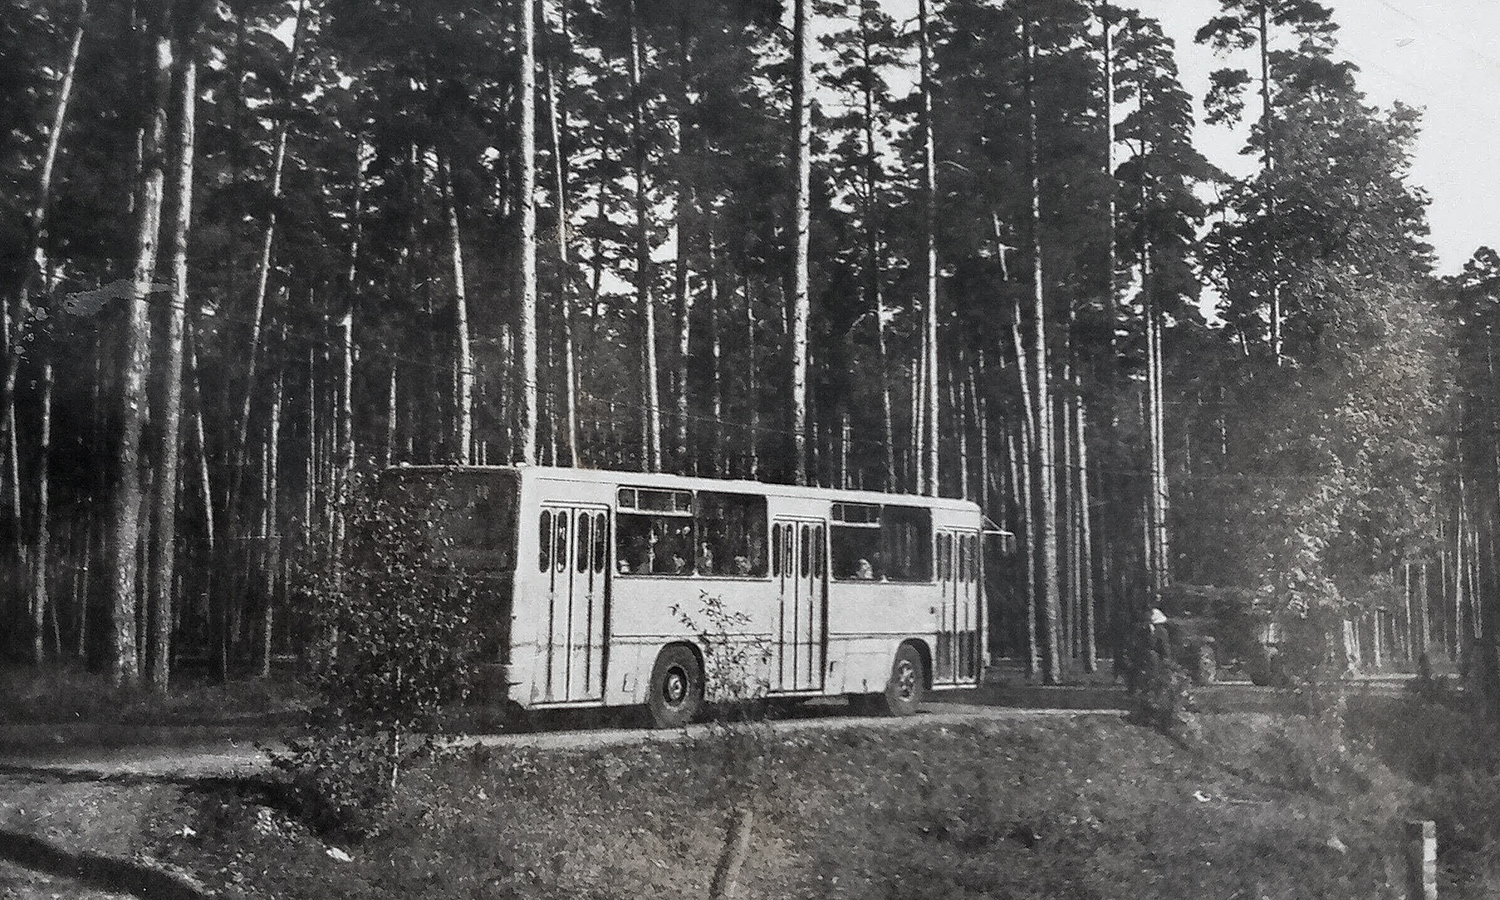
(1421, 860)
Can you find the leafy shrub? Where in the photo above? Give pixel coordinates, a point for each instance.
(395, 648)
(734, 663)
(735, 684)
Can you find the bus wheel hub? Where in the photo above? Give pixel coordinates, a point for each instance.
(675, 688)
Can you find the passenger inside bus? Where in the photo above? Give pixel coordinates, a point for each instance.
(724, 536)
(634, 554)
(864, 571)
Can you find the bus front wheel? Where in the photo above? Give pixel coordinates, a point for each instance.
(903, 692)
(676, 688)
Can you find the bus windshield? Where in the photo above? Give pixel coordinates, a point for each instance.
(472, 514)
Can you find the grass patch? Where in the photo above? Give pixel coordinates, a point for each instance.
(1084, 808)
(60, 696)
(1265, 804)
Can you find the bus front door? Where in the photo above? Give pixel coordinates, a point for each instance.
(574, 556)
(958, 652)
(800, 569)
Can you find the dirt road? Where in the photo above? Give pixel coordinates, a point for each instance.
(242, 757)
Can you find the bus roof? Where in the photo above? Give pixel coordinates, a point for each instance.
(686, 482)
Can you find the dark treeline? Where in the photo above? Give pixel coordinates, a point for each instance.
(249, 248)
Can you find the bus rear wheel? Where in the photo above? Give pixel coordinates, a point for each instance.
(676, 688)
(903, 692)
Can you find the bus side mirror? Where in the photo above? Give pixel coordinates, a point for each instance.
(1005, 541)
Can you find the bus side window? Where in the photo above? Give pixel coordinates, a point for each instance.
(560, 557)
(731, 534)
(776, 550)
(601, 540)
(544, 539)
(806, 560)
(854, 543)
(907, 541)
(584, 541)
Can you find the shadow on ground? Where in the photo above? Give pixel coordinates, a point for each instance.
(101, 872)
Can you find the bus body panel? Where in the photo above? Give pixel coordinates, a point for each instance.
(597, 645)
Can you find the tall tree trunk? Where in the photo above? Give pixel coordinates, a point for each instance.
(125, 505)
(802, 221)
(1045, 480)
(684, 227)
(1026, 487)
(720, 465)
(168, 444)
(557, 124)
(390, 420)
(1071, 563)
(464, 401)
(1024, 456)
(1106, 12)
(873, 245)
(1084, 535)
(271, 521)
(914, 438)
(981, 418)
(683, 301)
(1157, 555)
(929, 236)
(36, 273)
(887, 419)
(752, 387)
(315, 451)
(958, 427)
(527, 203)
(267, 243)
(1268, 162)
(94, 548)
(43, 204)
(11, 337)
(200, 439)
(39, 599)
(344, 426)
(650, 391)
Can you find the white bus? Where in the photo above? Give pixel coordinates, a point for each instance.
(875, 596)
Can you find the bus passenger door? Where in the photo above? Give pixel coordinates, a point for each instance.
(573, 553)
(958, 651)
(800, 569)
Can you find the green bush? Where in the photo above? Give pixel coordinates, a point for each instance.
(395, 647)
(736, 688)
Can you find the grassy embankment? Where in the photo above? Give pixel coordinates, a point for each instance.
(84, 708)
(1265, 806)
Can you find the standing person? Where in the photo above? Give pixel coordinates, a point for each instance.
(1158, 641)
(1145, 648)
(1162, 685)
